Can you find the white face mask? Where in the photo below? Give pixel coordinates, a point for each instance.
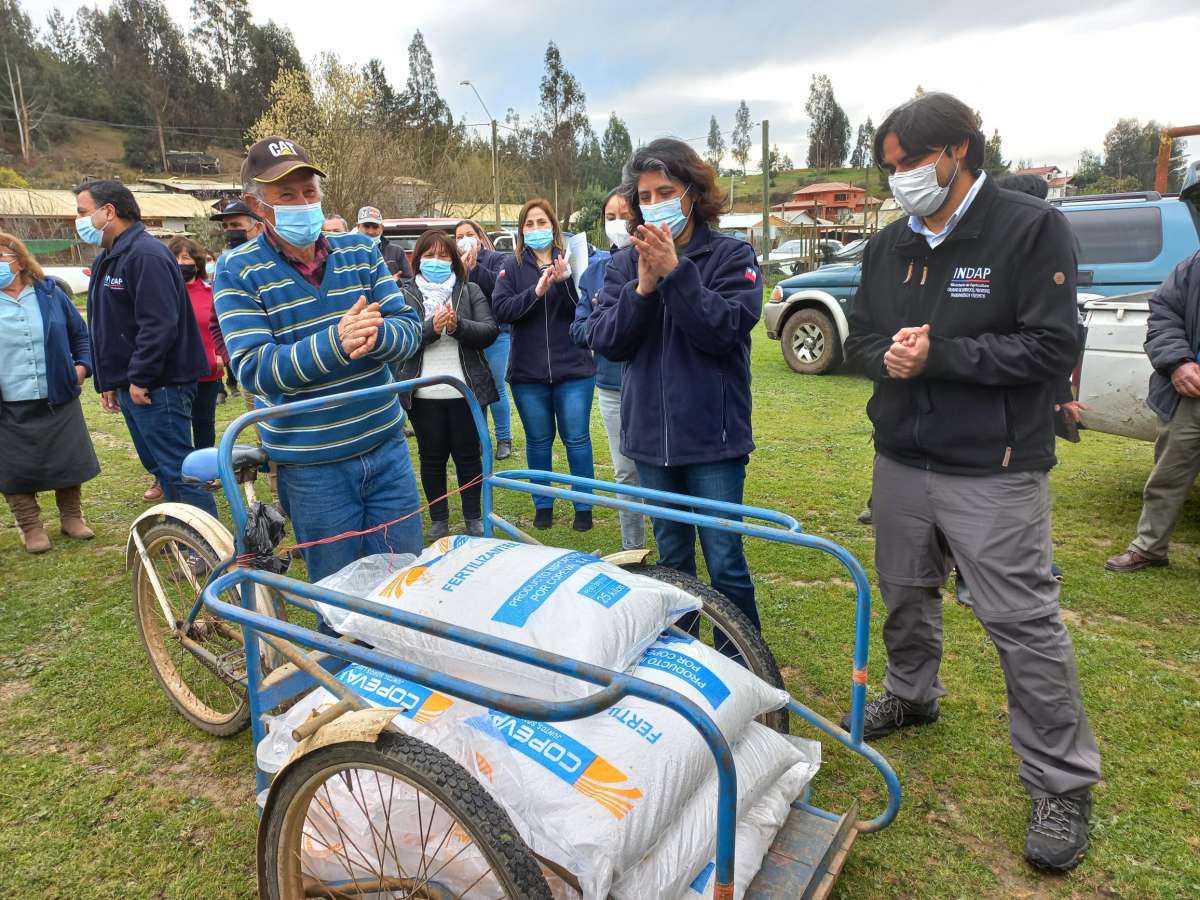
(465, 244)
(618, 232)
(918, 192)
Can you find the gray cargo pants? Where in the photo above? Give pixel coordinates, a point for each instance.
(1176, 467)
(997, 529)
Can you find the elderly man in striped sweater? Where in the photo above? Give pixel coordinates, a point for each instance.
(307, 315)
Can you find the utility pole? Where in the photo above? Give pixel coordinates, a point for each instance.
(495, 175)
(766, 177)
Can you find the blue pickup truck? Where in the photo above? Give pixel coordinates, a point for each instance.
(1127, 243)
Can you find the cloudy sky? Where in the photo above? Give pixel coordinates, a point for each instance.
(1052, 75)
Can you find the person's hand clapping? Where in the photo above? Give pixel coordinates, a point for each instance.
(908, 354)
(656, 256)
(471, 257)
(359, 328)
(558, 271)
(445, 321)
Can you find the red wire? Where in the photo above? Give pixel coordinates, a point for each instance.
(249, 557)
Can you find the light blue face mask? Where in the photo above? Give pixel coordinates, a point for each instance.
(300, 226)
(435, 270)
(88, 232)
(6, 275)
(668, 212)
(539, 239)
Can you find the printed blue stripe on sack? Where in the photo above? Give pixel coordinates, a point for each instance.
(529, 597)
(559, 754)
(689, 671)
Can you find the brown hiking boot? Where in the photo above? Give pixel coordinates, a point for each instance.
(1131, 560)
(70, 514)
(29, 519)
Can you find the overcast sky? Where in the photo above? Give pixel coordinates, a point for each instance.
(1052, 75)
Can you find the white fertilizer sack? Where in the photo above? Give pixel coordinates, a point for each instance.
(682, 864)
(561, 601)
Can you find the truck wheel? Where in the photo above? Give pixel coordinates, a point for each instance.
(811, 343)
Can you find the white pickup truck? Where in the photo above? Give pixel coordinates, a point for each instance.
(1115, 374)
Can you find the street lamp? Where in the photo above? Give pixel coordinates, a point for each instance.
(495, 159)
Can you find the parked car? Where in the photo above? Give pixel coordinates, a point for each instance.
(1114, 375)
(793, 255)
(406, 231)
(1127, 243)
(72, 279)
(504, 241)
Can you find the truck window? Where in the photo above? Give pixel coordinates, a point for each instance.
(1130, 235)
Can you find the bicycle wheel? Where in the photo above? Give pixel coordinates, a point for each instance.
(202, 685)
(723, 626)
(396, 818)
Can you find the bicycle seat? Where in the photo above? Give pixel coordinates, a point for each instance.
(200, 466)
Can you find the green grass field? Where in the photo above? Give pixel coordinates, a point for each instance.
(106, 793)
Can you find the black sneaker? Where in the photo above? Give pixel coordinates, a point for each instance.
(1057, 838)
(889, 713)
(583, 520)
(475, 527)
(503, 449)
(438, 529)
(543, 519)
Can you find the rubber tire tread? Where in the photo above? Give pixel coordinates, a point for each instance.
(833, 342)
(726, 616)
(241, 718)
(439, 776)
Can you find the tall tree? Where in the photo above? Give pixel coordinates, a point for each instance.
(422, 105)
(564, 129)
(1131, 151)
(864, 146)
(616, 148)
(829, 128)
(221, 34)
(994, 162)
(716, 145)
(740, 143)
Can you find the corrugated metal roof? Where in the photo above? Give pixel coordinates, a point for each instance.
(17, 202)
(180, 184)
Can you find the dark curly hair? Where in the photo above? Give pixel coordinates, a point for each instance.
(679, 162)
(930, 122)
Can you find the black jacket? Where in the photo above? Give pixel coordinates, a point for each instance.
(476, 330)
(686, 390)
(396, 259)
(143, 329)
(999, 296)
(487, 266)
(1173, 333)
(542, 349)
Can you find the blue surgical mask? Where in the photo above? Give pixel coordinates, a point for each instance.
(88, 232)
(6, 275)
(300, 226)
(668, 212)
(434, 269)
(539, 239)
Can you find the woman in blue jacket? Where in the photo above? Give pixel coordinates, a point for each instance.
(552, 379)
(483, 263)
(677, 308)
(608, 373)
(45, 356)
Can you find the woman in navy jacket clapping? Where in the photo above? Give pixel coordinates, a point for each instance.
(552, 379)
(678, 308)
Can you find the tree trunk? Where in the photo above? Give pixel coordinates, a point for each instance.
(162, 143)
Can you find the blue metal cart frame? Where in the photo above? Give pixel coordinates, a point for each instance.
(613, 686)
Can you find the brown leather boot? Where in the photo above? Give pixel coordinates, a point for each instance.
(70, 514)
(29, 519)
(1131, 561)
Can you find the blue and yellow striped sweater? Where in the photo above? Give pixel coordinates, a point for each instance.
(282, 338)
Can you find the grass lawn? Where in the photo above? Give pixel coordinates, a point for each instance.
(106, 792)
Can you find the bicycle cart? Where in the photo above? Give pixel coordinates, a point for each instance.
(216, 629)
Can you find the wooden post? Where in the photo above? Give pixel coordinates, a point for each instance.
(766, 198)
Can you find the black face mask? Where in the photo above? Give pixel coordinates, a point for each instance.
(235, 237)
(188, 271)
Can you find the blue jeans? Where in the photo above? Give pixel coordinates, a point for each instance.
(497, 359)
(569, 404)
(353, 494)
(723, 553)
(162, 435)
